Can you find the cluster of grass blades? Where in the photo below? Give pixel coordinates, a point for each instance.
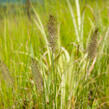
(39, 71)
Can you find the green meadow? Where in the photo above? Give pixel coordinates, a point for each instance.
(56, 58)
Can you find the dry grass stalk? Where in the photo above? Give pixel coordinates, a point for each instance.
(37, 75)
(92, 47)
(5, 73)
(92, 66)
(52, 32)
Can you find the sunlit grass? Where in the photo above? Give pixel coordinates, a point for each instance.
(70, 78)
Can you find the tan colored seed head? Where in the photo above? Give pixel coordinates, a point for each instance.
(36, 75)
(52, 32)
(92, 47)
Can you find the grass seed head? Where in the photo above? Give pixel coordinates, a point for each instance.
(52, 32)
(92, 47)
(36, 75)
(5, 73)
